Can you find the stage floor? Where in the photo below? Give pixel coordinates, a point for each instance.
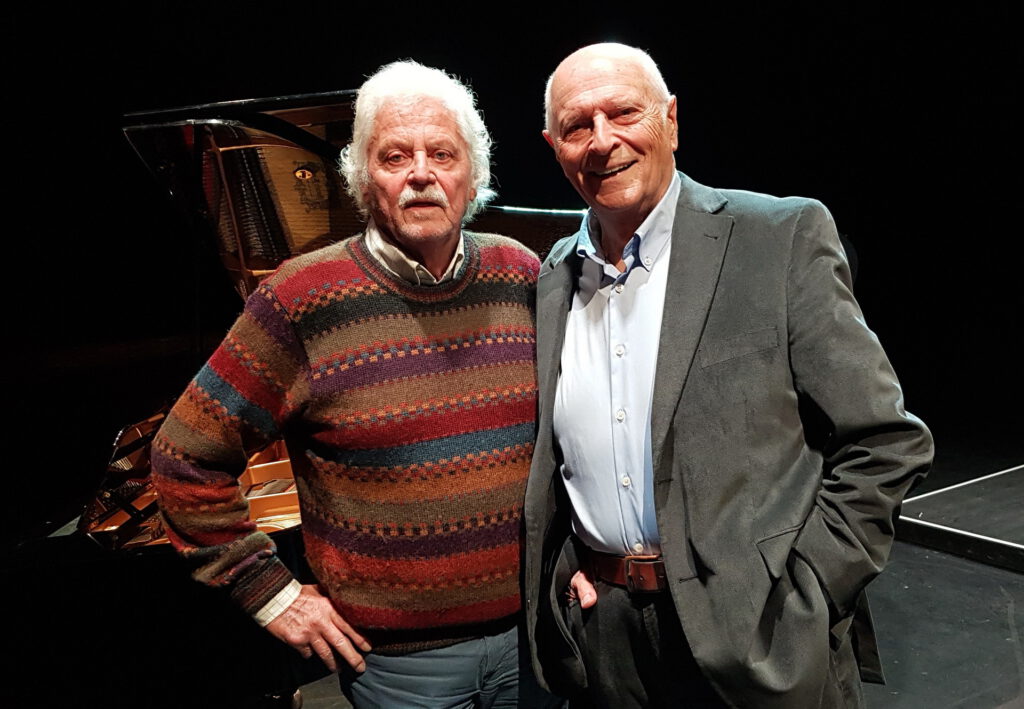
(949, 631)
(990, 506)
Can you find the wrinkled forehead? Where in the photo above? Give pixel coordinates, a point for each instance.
(415, 115)
(582, 80)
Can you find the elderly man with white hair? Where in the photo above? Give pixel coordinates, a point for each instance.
(398, 365)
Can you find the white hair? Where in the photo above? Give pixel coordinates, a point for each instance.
(408, 79)
(613, 50)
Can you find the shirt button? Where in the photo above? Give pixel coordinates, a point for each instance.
(620, 415)
(619, 287)
(638, 547)
(620, 350)
(648, 260)
(625, 481)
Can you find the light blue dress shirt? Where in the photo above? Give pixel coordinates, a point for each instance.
(602, 415)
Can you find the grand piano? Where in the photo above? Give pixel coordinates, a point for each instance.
(112, 617)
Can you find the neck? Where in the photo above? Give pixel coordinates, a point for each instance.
(435, 262)
(615, 234)
(619, 226)
(433, 255)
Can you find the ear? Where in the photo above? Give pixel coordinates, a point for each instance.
(472, 193)
(547, 137)
(670, 116)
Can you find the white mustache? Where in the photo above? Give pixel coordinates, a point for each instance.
(430, 193)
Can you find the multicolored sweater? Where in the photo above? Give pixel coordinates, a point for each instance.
(409, 416)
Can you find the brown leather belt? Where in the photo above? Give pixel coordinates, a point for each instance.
(639, 574)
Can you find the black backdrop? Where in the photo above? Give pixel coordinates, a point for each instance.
(900, 121)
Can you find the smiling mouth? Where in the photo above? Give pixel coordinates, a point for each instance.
(608, 172)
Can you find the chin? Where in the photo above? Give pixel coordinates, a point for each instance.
(425, 232)
(623, 197)
(616, 203)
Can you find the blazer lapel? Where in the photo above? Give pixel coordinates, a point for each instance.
(554, 292)
(699, 242)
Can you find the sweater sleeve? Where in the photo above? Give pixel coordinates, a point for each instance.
(238, 403)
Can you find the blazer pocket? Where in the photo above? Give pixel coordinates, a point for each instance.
(732, 347)
(775, 550)
(565, 566)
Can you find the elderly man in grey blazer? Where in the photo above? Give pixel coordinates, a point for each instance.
(722, 444)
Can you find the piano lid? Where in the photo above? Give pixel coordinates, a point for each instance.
(259, 177)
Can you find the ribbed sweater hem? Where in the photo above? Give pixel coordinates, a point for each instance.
(403, 642)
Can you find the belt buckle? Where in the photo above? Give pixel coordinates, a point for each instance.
(630, 583)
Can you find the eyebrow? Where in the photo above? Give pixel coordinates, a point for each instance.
(573, 117)
(397, 143)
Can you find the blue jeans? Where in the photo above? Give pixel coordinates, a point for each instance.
(481, 673)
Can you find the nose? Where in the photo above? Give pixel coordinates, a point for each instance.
(420, 173)
(604, 139)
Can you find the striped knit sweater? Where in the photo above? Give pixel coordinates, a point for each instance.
(409, 417)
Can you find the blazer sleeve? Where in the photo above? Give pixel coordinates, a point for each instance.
(850, 400)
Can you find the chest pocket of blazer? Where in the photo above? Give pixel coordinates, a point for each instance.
(723, 350)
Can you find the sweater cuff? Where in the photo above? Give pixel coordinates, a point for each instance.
(260, 584)
(278, 604)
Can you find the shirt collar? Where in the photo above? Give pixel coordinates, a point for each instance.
(650, 239)
(398, 263)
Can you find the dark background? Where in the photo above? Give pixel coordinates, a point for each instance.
(900, 121)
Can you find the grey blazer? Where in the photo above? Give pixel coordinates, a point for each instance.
(781, 454)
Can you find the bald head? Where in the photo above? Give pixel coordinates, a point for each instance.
(607, 55)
